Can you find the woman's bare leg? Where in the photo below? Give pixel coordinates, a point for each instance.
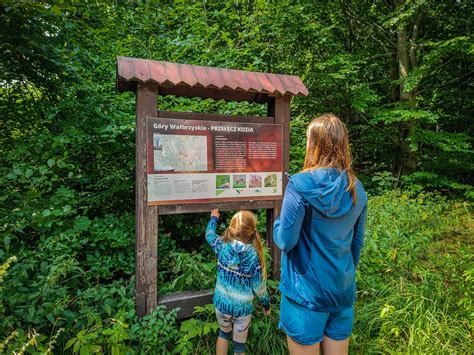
(298, 349)
(335, 347)
(221, 346)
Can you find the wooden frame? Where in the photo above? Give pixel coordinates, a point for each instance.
(147, 216)
(152, 78)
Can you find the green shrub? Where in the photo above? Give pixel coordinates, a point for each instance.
(156, 332)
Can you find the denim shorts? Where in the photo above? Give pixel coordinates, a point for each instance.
(308, 327)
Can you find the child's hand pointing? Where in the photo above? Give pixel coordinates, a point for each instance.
(215, 213)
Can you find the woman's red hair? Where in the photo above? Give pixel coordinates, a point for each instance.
(328, 147)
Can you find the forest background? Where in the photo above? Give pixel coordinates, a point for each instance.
(399, 74)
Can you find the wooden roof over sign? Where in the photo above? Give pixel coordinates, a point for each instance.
(205, 82)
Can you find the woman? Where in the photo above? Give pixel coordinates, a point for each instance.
(321, 231)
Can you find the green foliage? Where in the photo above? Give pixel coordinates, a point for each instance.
(190, 271)
(67, 165)
(410, 318)
(108, 336)
(414, 281)
(198, 335)
(380, 182)
(157, 331)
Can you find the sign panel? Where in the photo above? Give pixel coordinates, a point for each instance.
(190, 161)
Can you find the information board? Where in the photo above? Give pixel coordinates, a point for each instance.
(191, 161)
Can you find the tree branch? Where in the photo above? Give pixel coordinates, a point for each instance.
(376, 127)
(451, 81)
(382, 31)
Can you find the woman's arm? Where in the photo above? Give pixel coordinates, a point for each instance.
(286, 230)
(358, 240)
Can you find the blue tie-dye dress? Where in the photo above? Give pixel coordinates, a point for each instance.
(239, 275)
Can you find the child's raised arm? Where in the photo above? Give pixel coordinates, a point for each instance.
(212, 238)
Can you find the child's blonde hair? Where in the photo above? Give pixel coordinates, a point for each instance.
(243, 227)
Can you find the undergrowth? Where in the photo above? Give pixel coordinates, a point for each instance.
(415, 287)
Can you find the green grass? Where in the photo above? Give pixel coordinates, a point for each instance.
(415, 295)
(410, 318)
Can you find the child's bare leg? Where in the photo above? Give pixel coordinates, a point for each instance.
(335, 347)
(225, 332)
(221, 346)
(241, 329)
(239, 352)
(295, 348)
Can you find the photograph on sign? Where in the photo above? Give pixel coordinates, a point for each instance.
(192, 161)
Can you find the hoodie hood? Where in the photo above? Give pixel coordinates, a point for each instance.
(325, 190)
(236, 253)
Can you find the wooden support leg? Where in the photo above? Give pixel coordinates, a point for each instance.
(146, 227)
(274, 251)
(279, 108)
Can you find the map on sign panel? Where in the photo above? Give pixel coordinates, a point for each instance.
(179, 152)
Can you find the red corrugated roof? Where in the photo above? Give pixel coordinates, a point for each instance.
(169, 75)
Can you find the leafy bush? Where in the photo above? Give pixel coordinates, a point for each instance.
(189, 272)
(157, 332)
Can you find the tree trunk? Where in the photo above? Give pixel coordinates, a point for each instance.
(406, 63)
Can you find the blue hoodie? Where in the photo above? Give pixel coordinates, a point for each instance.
(321, 234)
(239, 275)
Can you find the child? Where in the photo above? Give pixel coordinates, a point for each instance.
(240, 275)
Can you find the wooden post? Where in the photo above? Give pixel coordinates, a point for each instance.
(274, 251)
(279, 107)
(282, 116)
(270, 212)
(146, 217)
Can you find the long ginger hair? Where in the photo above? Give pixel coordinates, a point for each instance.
(243, 227)
(328, 147)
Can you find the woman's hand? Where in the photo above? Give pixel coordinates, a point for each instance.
(215, 213)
